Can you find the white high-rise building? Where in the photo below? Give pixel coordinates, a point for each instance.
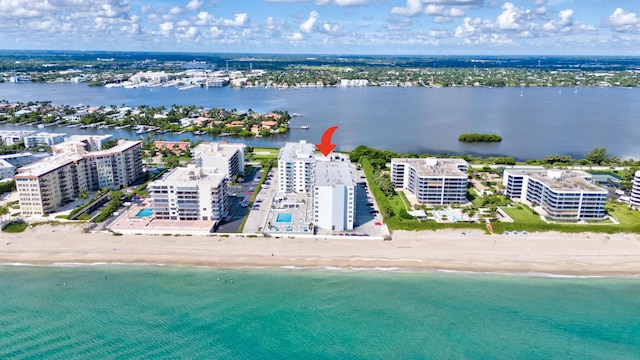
(562, 194)
(334, 194)
(226, 157)
(190, 193)
(433, 181)
(635, 190)
(296, 167)
(43, 138)
(12, 137)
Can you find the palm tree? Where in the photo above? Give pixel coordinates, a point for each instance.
(4, 210)
(83, 194)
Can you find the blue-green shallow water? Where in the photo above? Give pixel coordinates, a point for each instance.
(154, 312)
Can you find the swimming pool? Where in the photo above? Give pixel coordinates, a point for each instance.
(284, 217)
(450, 216)
(146, 212)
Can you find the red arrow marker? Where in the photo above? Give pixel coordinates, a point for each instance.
(325, 145)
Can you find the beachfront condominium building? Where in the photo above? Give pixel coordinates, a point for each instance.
(45, 185)
(190, 193)
(226, 157)
(433, 181)
(117, 167)
(296, 163)
(635, 191)
(562, 194)
(80, 144)
(43, 139)
(334, 193)
(12, 137)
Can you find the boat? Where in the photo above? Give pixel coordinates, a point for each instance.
(187, 87)
(304, 127)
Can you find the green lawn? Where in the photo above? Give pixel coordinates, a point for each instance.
(522, 214)
(626, 216)
(264, 153)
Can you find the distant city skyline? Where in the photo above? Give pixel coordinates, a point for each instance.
(394, 27)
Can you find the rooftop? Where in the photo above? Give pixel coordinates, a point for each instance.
(562, 180)
(47, 165)
(435, 166)
(217, 149)
(331, 173)
(297, 151)
(191, 175)
(46, 134)
(123, 145)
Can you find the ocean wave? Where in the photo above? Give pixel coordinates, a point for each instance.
(534, 274)
(17, 264)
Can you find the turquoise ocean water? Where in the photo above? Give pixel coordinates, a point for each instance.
(103, 312)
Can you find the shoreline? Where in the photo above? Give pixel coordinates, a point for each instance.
(548, 254)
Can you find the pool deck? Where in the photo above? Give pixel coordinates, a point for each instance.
(127, 223)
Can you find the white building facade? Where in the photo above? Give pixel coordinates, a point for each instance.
(334, 194)
(433, 181)
(190, 193)
(43, 138)
(226, 157)
(12, 137)
(296, 163)
(635, 191)
(562, 194)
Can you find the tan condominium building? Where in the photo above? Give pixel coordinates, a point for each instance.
(45, 185)
(117, 167)
(433, 181)
(562, 194)
(226, 157)
(190, 193)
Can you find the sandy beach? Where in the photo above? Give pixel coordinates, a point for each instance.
(586, 254)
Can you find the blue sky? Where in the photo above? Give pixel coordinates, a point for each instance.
(421, 27)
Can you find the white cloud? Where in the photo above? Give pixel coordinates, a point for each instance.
(433, 9)
(239, 19)
(166, 28)
(307, 26)
(215, 31)
(203, 18)
(175, 10)
(342, 2)
(456, 12)
(296, 36)
(539, 2)
(194, 4)
(332, 29)
(461, 3)
(413, 8)
(623, 21)
(467, 28)
(508, 19)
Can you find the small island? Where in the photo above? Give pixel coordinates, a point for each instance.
(475, 137)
